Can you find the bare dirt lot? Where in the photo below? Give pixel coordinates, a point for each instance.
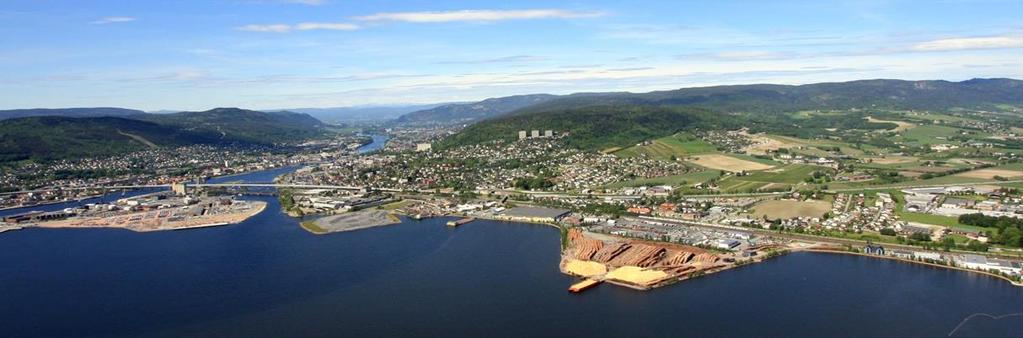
(990, 173)
(728, 163)
(356, 220)
(784, 209)
(763, 144)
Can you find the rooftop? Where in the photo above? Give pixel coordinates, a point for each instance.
(535, 212)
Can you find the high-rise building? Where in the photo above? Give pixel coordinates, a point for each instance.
(548, 133)
(522, 134)
(536, 133)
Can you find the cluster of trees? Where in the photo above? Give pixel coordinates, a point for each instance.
(1009, 228)
(534, 183)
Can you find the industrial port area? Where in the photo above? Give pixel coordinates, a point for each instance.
(163, 210)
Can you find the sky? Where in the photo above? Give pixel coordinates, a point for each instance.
(269, 54)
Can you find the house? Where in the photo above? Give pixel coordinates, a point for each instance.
(639, 210)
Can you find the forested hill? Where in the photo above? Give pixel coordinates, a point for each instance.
(599, 121)
(885, 94)
(58, 137)
(456, 113)
(237, 124)
(69, 112)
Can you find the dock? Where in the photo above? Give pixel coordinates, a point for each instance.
(583, 286)
(460, 222)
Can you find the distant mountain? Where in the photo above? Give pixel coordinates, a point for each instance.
(235, 124)
(56, 137)
(69, 112)
(888, 94)
(625, 118)
(361, 113)
(457, 113)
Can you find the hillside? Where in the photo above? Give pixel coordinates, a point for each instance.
(604, 120)
(887, 94)
(69, 112)
(56, 137)
(457, 113)
(234, 124)
(596, 127)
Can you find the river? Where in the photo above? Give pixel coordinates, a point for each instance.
(268, 277)
(378, 143)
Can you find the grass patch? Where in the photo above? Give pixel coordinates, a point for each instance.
(792, 174)
(311, 226)
(395, 205)
(928, 219)
(678, 145)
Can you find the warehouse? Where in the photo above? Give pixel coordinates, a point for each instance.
(534, 214)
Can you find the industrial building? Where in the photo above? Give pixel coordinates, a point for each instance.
(533, 214)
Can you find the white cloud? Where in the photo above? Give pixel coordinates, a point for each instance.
(112, 19)
(952, 44)
(304, 26)
(275, 28)
(326, 25)
(478, 15)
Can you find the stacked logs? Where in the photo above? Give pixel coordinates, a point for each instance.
(609, 252)
(586, 247)
(706, 258)
(640, 255)
(678, 258)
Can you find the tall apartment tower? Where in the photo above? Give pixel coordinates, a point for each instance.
(548, 133)
(536, 133)
(522, 134)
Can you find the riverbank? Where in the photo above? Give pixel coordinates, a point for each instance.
(911, 261)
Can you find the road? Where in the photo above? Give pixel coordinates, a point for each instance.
(803, 237)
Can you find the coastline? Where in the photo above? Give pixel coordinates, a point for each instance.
(200, 222)
(950, 267)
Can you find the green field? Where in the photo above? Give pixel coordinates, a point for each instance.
(792, 173)
(810, 147)
(928, 218)
(929, 134)
(737, 185)
(664, 148)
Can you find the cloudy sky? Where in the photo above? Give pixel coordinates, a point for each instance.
(266, 54)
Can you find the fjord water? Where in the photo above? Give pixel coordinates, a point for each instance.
(268, 277)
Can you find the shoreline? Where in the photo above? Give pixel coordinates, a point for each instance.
(949, 267)
(233, 219)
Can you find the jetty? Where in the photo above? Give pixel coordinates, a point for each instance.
(583, 286)
(460, 222)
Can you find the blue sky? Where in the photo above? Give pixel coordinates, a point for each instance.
(265, 54)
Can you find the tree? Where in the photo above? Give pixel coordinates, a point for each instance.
(1010, 236)
(948, 243)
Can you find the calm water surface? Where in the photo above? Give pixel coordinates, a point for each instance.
(267, 277)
